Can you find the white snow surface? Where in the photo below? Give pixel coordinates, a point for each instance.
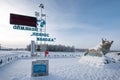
(64, 68)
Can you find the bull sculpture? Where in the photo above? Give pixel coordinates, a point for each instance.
(101, 50)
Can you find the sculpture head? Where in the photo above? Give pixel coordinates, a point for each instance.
(105, 47)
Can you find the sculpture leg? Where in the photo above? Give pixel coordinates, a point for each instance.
(108, 59)
(85, 53)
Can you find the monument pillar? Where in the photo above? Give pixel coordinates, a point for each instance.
(32, 48)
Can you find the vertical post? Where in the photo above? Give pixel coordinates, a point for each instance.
(45, 26)
(41, 7)
(37, 15)
(32, 48)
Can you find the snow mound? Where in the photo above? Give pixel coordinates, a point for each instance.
(92, 61)
(99, 62)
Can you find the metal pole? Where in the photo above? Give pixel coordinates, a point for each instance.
(41, 6)
(45, 32)
(41, 30)
(36, 46)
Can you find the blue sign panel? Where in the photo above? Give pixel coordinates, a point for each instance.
(39, 68)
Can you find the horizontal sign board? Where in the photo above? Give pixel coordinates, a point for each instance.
(23, 20)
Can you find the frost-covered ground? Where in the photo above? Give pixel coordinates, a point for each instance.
(64, 68)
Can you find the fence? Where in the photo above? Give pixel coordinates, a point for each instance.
(8, 58)
(5, 59)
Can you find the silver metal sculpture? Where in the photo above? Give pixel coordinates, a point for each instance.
(100, 50)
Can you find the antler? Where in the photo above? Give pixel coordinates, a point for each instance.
(112, 42)
(103, 41)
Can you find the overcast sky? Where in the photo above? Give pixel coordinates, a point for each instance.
(82, 23)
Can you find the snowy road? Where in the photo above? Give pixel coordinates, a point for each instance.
(61, 69)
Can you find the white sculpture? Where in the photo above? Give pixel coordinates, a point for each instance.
(100, 50)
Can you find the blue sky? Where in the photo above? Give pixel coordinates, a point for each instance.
(81, 23)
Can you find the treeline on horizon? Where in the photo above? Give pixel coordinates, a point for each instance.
(54, 48)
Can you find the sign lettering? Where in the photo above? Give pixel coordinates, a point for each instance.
(24, 28)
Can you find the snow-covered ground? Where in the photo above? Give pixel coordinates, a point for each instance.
(62, 67)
